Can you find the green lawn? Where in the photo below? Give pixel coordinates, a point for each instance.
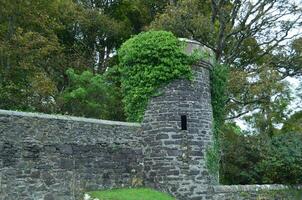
(130, 194)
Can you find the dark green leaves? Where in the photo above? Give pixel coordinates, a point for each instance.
(148, 61)
(91, 95)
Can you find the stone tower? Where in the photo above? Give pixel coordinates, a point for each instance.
(177, 131)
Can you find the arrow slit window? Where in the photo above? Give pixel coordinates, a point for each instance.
(184, 122)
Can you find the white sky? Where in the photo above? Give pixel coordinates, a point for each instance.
(295, 83)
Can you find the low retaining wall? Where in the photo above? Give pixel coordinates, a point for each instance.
(52, 157)
(256, 192)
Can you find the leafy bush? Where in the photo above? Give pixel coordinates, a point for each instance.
(148, 61)
(283, 160)
(240, 156)
(90, 95)
(293, 124)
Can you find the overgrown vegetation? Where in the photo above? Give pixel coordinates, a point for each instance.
(148, 61)
(130, 194)
(41, 39)
(219, 76)
(91, 95)
(252, 160)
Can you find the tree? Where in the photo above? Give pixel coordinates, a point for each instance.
(249, 37)
(240, 154)
(31, 59)
(105, 25)
(293, 124)
(89, 95)
(40, 39)
(247, 159)
(288, 61)
(224, 26)
(282, 163)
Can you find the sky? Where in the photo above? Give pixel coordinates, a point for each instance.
(294, 83)
(295, 105)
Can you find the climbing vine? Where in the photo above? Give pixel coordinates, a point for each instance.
(148, 61)
(152, 59)
(219, 77)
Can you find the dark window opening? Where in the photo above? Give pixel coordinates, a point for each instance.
(184, 122)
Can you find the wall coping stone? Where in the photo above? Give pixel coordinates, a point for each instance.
(67, 117)
(195, 45)
(246, 188)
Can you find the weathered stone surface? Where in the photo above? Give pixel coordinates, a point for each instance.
(255, 192)
(181, 152)
(58, 157)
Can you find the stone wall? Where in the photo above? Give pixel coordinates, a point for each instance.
(256, 192)
(46, 157)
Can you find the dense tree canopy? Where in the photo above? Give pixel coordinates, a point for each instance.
(32, 63)
(40, 40)
(251, 160)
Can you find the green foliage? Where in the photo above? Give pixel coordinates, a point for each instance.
(31, 55)
(90, 95)
(148, 61)
(275, 98)
(239, 156)
(219, 85)
(189, 19)
(102, 26)
(113, 77)
(130, 194)
(293, 124)
(257, 63)
(252, 160)
(219, 77)
(41, 39)
(283, 161)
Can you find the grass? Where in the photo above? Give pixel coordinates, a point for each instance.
(130, 194)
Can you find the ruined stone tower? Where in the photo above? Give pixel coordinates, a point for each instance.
(177, 131)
